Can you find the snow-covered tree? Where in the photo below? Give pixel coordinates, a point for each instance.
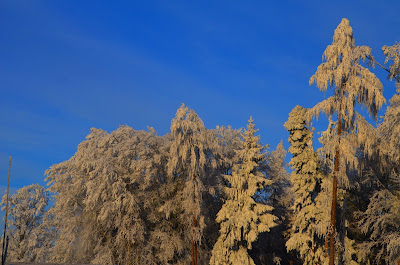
(223, 143)
(186, 168)
(280, 178)
(241, 218)
(130, 195)
(390, 127)
(107, 193)
(352, 84)
(271, 245)
(306, 178)
(28, 242)
(228, 141)
(380, 221)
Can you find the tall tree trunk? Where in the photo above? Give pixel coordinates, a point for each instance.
(138, 255)
(326, 245)
(194, 245)
(334, 186)
(333, 212)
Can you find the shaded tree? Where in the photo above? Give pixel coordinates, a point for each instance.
(29, 242)
(380, 220)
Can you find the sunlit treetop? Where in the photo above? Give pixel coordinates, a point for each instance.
(342, 71)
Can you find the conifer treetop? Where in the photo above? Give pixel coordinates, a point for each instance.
(241, 218)
(342, 71)
(186, 150)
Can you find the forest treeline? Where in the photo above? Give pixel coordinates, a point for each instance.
(220, 196)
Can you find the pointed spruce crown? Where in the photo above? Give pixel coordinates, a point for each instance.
(297, 119)
(250, 125)
(251, 130)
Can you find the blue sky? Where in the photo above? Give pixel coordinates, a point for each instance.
(67, 66)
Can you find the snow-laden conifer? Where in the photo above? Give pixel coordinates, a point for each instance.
(28, 240)
(352, 84)
(280, 185)
(228, 141)
(306, 179)
(186, 167)
(241, 218)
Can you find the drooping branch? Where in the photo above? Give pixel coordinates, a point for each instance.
(392, 75)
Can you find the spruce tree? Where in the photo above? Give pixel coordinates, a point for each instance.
(240, 217)
(306, 179)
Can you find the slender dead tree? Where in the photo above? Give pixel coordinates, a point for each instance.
(3, 253)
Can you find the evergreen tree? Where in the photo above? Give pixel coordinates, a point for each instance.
(240, 217)
(226, 141)
(352, 83)
(306, 179)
